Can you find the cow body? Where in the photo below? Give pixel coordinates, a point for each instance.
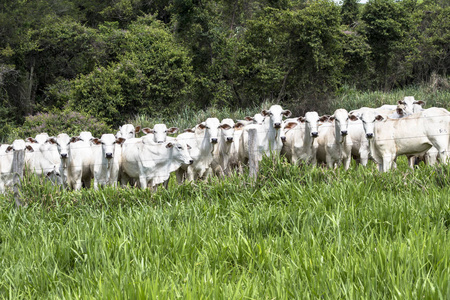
(411, 135)
(334, 143)
(151, 163)
(301, 143)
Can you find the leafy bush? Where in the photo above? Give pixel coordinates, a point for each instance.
(65, 121)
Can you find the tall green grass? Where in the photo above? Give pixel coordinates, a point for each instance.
(297, 232)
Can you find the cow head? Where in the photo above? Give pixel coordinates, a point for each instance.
(227, 130)
(62, 142)
(276, 114)
(160, 132)
(368, 119)
(211, 127)
(16, 145)
(311, 121)
(341, 118)
(128, 131)
(180, 152)
(108, 142)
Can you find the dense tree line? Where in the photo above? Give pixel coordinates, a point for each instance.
(113, 59)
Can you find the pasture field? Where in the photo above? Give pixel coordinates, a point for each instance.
(298, 232)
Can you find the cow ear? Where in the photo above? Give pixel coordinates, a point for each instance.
(9, 149)
(169, 145)
(353, 117)
(29, 148)
(302, 119)
(96, 141)
(420, 102)
(401, 102)
(202, 125)
(137, 129)
(225, 126)
(323, 118)
(147, 130)
(189, 130)
(31, 140)
(172, 130)
(265, 112)
(75, 139)
(287, 113)
(248, 118)
(331, 119)
(51, 140)
(399, 111)
(120, 141)
(379, 118)
(188, 147)
(239, 125)
(290, 125)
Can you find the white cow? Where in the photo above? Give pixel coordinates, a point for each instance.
(159, 132)
(334, 143)
(76, 160)
(6, 163)
(128, 131)
(269, 134)
(202, 140)
(225, 153)
(411, 105)
(411, 135)
(85, 136)
(301, 143)
(107, 155)
(151, 163)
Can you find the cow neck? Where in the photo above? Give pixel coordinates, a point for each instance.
(206, 146)
(308, 140)
(272, 135)
(337, 133)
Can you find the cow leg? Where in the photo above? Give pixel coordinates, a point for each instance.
(143, 182)
(387, 163)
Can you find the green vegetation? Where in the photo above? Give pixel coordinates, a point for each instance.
(299, 232)
(114, 60)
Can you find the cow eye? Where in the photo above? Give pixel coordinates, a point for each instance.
(180, 148)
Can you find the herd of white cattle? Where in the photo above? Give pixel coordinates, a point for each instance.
(216, 147)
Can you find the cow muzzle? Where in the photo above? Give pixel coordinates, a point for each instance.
(109, 155)
(229, 139)
(214, 140)
(277, 125)
(344, 132)
(314, 134)
(369, 135)
(191, 161)
(63, 155)
(283, 139)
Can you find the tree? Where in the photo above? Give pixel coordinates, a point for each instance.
(349, 12)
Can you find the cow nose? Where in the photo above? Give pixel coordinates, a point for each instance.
(191, 161)
(109, 155)
(229, 139)
(63, 155)
(344, 132)
(369, 135)
(283, 139)
(314, 134)
(214, 140)
(277, 125)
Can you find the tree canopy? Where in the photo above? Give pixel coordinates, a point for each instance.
(114, 59)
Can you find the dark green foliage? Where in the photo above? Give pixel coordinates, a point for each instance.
(116, 59)
(152, 76)
(57, 122)
(349, 12)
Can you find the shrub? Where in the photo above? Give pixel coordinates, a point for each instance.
(65, 121)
